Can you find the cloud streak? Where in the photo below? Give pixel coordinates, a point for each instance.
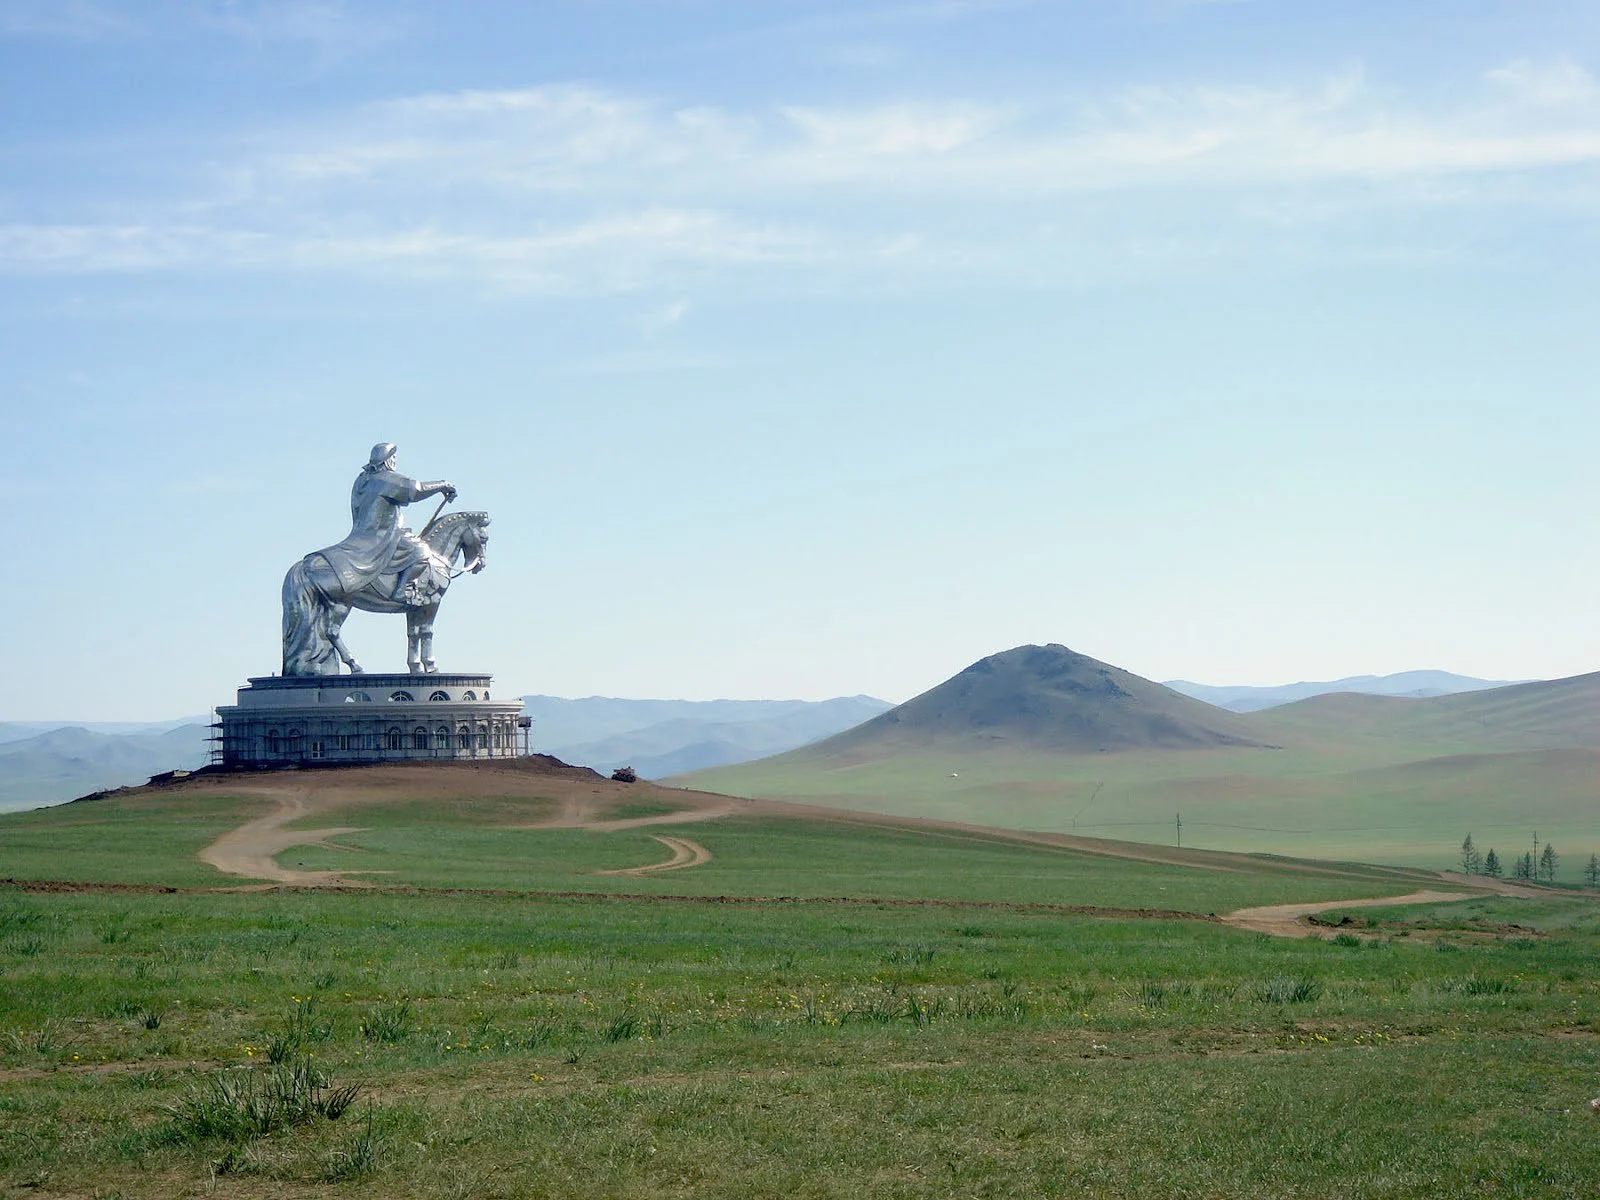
(580, 188)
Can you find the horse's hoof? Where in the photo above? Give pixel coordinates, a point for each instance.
(431, 667)
(357, 669)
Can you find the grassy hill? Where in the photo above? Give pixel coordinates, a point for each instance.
(1377, 778)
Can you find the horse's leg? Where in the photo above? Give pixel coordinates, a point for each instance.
(414, 640)
(336, 615)
(425, 635)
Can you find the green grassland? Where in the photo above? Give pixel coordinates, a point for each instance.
(923, 1013)
(415, 841)
(148, 837)
(508, 1047)
(1358, 777)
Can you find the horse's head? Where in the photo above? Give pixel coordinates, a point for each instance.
(461, 535)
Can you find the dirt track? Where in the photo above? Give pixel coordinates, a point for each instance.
(576, 798)
(251, 850)
(581, 797)
(684, 854)
(1288, 920)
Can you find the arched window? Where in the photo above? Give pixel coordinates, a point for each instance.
(494, 737)
(439, 696)
(441, 737)
(483, 737)
(469, 695)
(402, 696)
(486, 695)
(395, 739)
(274, 742)
(463, 738)
(358, 698)
(419, 738)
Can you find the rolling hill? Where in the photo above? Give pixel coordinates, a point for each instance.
(1041, 738)
(1237, 698)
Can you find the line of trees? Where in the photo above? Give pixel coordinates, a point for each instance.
(1526, 867)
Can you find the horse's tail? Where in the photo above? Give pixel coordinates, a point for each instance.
(307, 648)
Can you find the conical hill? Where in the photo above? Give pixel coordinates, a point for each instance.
(1045, 698)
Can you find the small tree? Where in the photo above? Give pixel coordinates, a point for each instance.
(1491, 864)
(1524, 867)
(1469, 856)
(1591, 871)
(1548, 861)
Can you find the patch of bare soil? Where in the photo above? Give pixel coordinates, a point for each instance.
(685, 853)
(1290, 920)
(584, 811)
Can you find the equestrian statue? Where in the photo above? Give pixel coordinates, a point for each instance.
(380, 567)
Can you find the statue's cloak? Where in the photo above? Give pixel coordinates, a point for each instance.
(378, 541)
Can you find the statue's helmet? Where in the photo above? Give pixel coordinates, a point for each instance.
(382, 453)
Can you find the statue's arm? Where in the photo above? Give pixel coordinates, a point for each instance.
(409, 491)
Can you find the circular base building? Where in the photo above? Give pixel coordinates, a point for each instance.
(296, 720)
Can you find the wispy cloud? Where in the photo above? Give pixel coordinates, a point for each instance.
(601, 255)
(333, 31)
(1556, 82)
(80, 20)
(581, 188)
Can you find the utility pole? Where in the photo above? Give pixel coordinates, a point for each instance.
(1180, 831)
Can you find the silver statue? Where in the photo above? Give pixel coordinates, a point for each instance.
(380, 567)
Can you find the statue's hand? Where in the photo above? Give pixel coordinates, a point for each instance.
(449, 490)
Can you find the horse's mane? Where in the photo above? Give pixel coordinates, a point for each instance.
(446, 529)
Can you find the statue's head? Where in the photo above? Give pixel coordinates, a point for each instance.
(382, 457)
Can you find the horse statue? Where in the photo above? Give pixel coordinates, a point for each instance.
(317, 598)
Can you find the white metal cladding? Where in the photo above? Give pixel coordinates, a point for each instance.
(283, 721)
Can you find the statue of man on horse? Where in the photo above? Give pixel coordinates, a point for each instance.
(381, 566)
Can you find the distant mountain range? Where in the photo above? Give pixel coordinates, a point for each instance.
(1044, 698)
(63, 762)
(667, 737)
(45, 763)
(1406, 683)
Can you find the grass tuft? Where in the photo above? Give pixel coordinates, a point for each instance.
(1288, 989)
(357, 1157)
(387, 1023)
(236, 1106)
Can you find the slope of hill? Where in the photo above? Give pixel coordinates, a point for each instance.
(1406, 683)
(1549, 714)
(1339, 775)
(1043, 698)
(58, 764)
(663, 737)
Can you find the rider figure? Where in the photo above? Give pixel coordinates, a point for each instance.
(379, 542)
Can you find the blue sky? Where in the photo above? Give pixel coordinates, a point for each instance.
(803, 349)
